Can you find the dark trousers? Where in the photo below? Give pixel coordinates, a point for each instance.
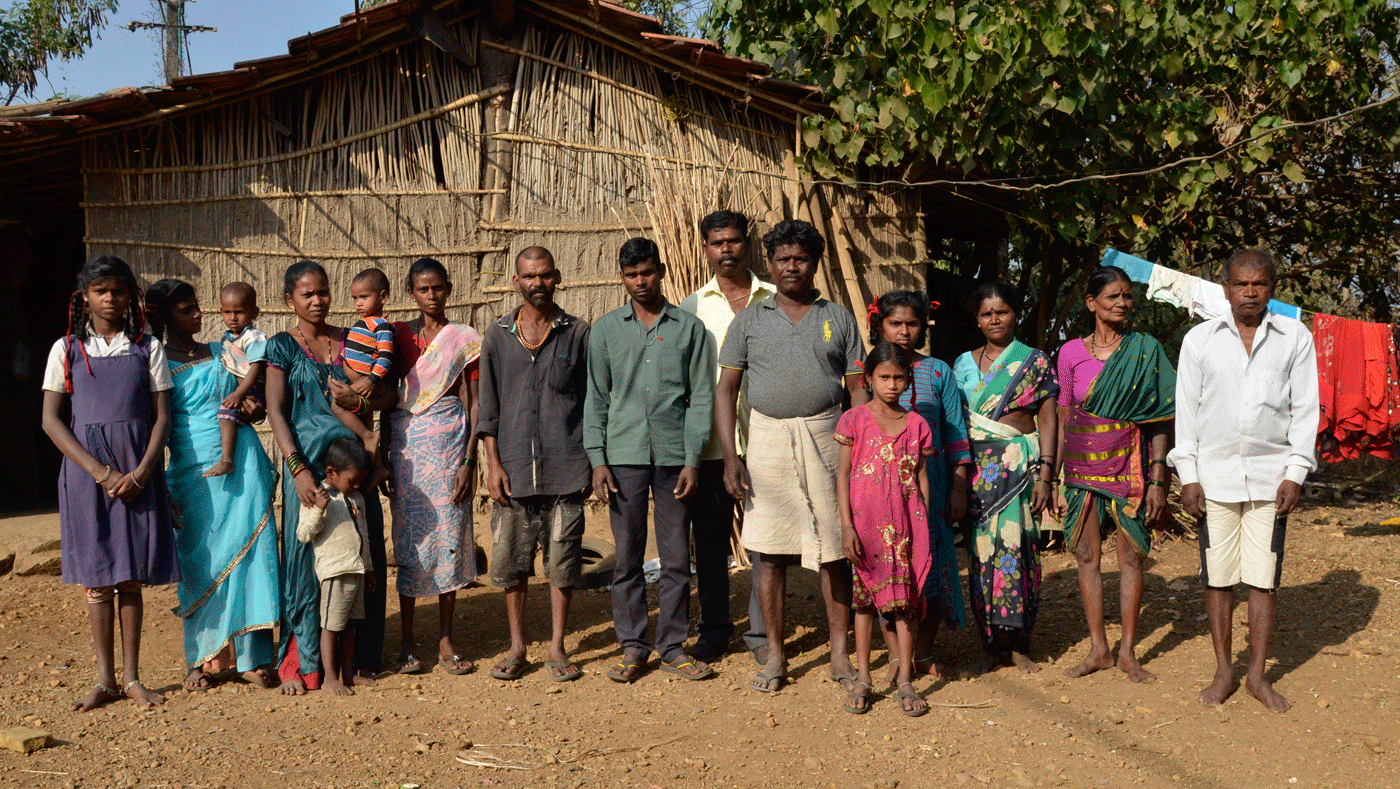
(629, 592)
(711, 522)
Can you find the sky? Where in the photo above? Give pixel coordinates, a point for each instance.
(247, 29)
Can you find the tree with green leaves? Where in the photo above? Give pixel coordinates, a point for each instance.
(1174, 129)
(32, 32)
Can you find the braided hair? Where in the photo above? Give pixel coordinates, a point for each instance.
(95, 270)
(161, 298)
(917, 301)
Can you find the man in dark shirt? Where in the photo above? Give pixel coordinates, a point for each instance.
(533, 377)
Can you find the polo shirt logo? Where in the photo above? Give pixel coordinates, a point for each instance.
(826, 331)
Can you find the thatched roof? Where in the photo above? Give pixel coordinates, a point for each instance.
(46, 124)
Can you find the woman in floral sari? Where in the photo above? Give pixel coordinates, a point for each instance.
(227, 540)
(1118, 387)
(1011, 393)
(432, 453)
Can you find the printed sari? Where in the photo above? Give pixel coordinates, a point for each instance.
(1004, 550)
(1105, 461)
(226, 538)
(433, 541)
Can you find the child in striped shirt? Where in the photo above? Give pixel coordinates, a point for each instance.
(367, 356)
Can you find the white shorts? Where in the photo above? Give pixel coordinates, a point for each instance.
(1242, 542)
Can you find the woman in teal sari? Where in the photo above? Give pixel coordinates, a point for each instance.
(1117, 401)
(226, 538)
(1011, 392)
(303, 374)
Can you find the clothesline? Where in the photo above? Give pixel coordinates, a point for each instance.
(1203, 298)
(1358, 365)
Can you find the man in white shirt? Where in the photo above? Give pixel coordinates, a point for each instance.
(725, 235)
(1246, 423)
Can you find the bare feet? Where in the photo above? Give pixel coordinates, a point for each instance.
(1024, 662)
(989, 661)
(1129, 665)
(1096, 661)
(364, 680)
(99, 696)
(220, 468)
(1260, 688)
(1219, 688)
(927, 667)
(292, 687)
(336, 688)
(197, 680)
(143, 697)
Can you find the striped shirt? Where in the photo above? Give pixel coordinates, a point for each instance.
(369, 347)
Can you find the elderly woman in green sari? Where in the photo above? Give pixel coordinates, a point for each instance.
(1011, 392)
(1117, 400)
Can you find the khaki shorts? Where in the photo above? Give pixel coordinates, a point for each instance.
(554, 524)
(1242, 542)
(342, 599)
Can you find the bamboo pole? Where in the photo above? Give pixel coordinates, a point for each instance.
(319, 254)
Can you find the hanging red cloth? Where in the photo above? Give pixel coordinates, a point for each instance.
(1358, 386)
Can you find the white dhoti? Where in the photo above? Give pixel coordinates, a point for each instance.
(793, 508)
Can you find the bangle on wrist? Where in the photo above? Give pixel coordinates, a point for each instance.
(105, 475)
(468, 461)
(1159, 483)
(1159, 461)
(298, 470)
(136, 481)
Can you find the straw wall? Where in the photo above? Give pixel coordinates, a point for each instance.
(384, 161)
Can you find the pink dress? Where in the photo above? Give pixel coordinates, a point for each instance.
(890, 516)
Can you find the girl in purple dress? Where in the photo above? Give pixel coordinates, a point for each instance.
(883, 490)
(113, 512)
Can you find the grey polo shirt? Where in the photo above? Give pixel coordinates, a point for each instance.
(794, 369)
(533, 404)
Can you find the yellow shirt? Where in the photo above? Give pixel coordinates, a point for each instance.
(711, 306)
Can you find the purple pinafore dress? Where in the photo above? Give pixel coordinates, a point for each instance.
(107, 541)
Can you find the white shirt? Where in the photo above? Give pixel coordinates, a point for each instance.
(157, 376)
(1246, 422)
(712, 307)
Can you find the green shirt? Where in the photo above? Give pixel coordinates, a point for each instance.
(650, 391)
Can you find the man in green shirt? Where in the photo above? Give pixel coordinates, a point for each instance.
(646, 419)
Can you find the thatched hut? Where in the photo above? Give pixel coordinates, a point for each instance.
(456, 129)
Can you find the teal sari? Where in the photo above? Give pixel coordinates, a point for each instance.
(314, 427)
(226, 538)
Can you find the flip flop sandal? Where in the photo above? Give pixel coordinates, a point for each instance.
(409, 664)
(679, 669)
(566, 676)
(858, 693)
(509, 669)
(455, 664)
(763, 682)
(910, 694)
(846, 681)
(196, 688)
(626, 670)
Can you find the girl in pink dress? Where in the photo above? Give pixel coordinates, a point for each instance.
(884, 524)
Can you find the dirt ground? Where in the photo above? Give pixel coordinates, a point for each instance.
(1335, 656)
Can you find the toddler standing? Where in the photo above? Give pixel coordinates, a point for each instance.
(113, 513)
(245, 358)
(882, 487)
(339, 535)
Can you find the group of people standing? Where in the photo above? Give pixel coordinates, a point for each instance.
(750, 392)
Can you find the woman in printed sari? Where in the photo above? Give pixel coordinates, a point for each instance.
(226, 538)
(432, 453)
(1011, 391)
(303, 374)
(901, 317)
(1117, 400)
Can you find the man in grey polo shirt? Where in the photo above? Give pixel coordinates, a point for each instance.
(533, 376)
(801, 355)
